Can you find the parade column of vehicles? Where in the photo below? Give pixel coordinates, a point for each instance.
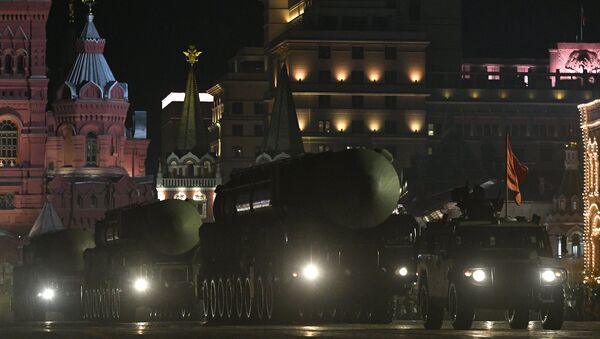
(309, 237)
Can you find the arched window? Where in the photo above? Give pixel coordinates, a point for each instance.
(8, 144)
(576, 249)
(21, 64)
(200, 198)
(562, 204)
(79, 201)
(8, 64)
(574, 204)
(190, 169)
(207, 169)
(94, 201)
(91, 150)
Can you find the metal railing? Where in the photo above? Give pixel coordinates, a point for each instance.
(188, 182)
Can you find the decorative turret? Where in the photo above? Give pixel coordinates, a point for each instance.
(568, 197)
(283, 138)
(192, 136)
(91, 77)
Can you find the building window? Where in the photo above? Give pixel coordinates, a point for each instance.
(358, 77)
(495, 69)
(429, 150)
(259, 108)
(6, 202)
(91, 150)
(324, 148)
(381, 23)
(390, 77)
(355, 23)
(431, 130)
(8, 64)
(390, 127)
(562, 204)
(576, 249)
(237, 108)
(79, 201)
(324, 52)
(237, 130)
(324, 101)
(324, 126)
(324, 77)
(390, 102)
(93, 201)
(258, 130)
(358, 126)
(573, 204)
(390, 53)
(328, 23)
(358, 52)
(414, 10)
(357, 101)
(238, 151)
(21, 64)
(8, 143)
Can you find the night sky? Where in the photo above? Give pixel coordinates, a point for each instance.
(145, 38)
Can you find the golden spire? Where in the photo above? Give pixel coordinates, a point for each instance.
(90, 4)
(71, 11)
(192, 55)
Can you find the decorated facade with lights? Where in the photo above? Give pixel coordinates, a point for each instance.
(590, 127)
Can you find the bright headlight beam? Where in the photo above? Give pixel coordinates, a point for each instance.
(403, 271)
(548, 276)
(47, 294)
(479, 275)
(310, 272)
(141, 285)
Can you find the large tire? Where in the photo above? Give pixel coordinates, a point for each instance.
(269, 299)
(220, 299)
(238, 299)
(229, 293)
(213, 299)
(205, 300)
(461, 311)
(432, 311)
(518, 318)
(552, 316)
(248, 299)
(259, 298)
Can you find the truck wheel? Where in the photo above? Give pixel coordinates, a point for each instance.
(205, 299)
(248, 299)
(432, 312)
(518, 318)
(259, 297)
(213, 299)
(238, 298)
(221, 299)
(461, 312)
(269, 298)
(552, 317)
(228, 298)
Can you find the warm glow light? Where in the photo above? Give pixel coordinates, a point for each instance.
(341, 124)
(559, 95)
(341, 75)
(374, 76)
(415, 121)
(447, 94)
(302, 123)
(415, 75)
(475, 94)
(503, 94)
(374, 125)
(299, 74)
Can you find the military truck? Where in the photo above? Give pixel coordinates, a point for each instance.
(472, 263)
(143, 262)
(297, 239)
(51, 276)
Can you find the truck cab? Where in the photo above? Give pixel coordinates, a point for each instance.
(495, 264)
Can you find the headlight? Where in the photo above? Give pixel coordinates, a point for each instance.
(551, 276)
(47, 294)
(402, 271)
(141, 285)
(310, 272)
(479, 276)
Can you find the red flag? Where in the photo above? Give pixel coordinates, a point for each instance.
(515, 172)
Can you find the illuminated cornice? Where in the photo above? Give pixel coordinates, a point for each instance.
(180, 97)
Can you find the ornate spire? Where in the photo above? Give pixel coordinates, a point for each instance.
(71, 5)
(90, 4)
(192, 134)
(284, 135)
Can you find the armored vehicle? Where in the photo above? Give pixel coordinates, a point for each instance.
(143, 261)
(51, 276)
(473, 263)
(299, 239)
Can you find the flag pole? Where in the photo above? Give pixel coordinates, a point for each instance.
(506, 177)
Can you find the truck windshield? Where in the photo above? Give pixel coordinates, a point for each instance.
(526, 238)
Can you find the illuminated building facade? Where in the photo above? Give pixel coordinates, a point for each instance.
(23, 98)
(590, 127)
(190, 171)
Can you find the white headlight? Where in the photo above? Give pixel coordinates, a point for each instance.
(402, 271)
(548, 276)
(310, 272)
(479, 275)
(141, 285)
(47, 294)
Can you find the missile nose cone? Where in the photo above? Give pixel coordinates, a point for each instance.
(364, 189)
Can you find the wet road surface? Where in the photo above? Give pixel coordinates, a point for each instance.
(185, 330)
